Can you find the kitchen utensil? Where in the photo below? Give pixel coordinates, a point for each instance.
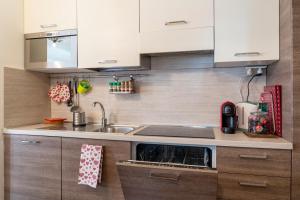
(76, 107)
(70, 101)
(84, 87)
(244, 109)
(228, 118)
(79, 119)
(58, 121)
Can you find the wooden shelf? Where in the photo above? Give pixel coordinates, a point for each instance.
(121, 92)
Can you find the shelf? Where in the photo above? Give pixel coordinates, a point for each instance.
(121, 92)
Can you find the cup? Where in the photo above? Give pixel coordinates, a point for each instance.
(84, 87)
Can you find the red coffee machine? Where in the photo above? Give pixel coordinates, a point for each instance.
(228, 118)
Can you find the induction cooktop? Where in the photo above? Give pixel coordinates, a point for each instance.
(177, 131)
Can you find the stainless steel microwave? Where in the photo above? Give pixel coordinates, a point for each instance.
(51, 50)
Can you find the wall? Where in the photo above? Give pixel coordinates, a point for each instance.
(167, 96)
(296, 103)
(11, 53)
(11, 34)
(26, 101)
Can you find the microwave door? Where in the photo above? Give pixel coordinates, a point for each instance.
(51, 53)
(62, 52)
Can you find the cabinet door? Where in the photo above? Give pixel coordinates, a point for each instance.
(32, 168)
(246, 31)
(176, 25)
(110, 187)
(108, 33)
(49, 15)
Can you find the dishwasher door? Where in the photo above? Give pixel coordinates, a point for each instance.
(148, 181)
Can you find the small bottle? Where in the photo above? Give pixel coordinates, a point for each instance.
(126, 86)
(111, 87)
(123, 89)
(131, 86)
(118, 86)
(114, 87)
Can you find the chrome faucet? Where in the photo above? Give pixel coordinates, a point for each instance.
(103, 120)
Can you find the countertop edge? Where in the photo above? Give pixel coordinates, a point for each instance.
(154, 139)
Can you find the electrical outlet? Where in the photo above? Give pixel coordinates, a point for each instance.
(255, 70)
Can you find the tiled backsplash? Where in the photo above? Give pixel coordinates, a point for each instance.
(178, 96)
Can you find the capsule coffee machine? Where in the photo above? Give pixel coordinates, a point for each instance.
(228, 118)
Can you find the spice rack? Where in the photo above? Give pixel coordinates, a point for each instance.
(122, 87)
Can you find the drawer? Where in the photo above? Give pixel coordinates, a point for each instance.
(266, 162)
(249, 187)
(148, 182)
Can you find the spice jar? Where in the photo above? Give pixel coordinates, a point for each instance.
(111, 87)
(259, 123)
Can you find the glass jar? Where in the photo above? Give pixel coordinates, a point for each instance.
(259, 123)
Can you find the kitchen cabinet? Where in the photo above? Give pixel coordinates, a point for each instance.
(49, 15)
(176, 25)
(108, 33)
(247, 172)
(110, 187)
(249, 187)
(32, 168)
(246, 32)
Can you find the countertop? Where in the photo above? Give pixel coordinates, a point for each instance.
(229, 140)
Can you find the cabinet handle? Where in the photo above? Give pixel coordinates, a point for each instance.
(108, 61)
(30, 142)
(248, 184)
(48, 25)
(258, 157)
(165, 177)
(247, 54)
(175, 22)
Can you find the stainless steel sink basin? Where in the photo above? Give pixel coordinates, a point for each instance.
(116, 129)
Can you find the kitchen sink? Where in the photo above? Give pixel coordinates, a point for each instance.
(116, 129)
(111, 128)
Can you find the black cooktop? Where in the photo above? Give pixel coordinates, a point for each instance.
(177, 131)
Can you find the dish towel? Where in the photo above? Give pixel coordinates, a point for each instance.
(90, 169)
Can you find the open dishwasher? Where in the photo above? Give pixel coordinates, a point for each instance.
(169, 172)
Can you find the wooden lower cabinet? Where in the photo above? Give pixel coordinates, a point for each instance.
(32, 168)
(264, 162)
(110, 189)
(250, 187)
(249, 173)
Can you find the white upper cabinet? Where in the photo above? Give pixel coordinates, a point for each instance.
(176, 25)
(49, 15)
(108, 33)
(246, 32)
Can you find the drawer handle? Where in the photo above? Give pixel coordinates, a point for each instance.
(48, 25)
(176, 23)
(108, 61)
(258, 157)
(247, 54)
(30, 142)
(165, 177)
(248, 184)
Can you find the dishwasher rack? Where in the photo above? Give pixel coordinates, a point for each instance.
(183, 156)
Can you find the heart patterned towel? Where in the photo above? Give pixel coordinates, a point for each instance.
(90, 169)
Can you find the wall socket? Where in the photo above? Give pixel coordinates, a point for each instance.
(255, 70)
